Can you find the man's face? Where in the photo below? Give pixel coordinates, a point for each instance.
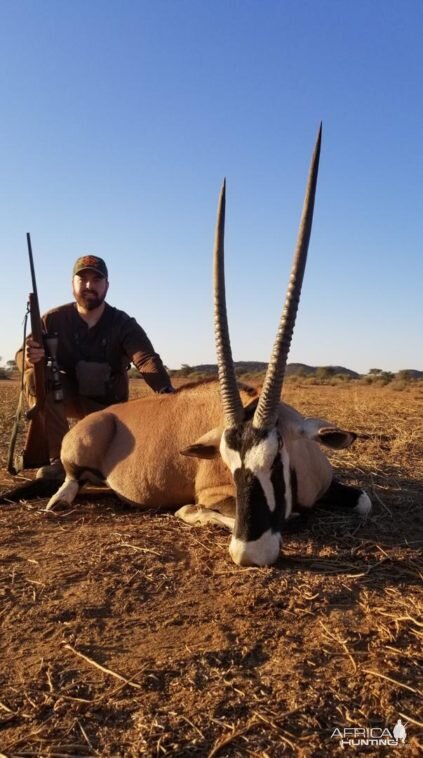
(89, 289)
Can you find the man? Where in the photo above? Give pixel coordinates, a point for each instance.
(96, 344)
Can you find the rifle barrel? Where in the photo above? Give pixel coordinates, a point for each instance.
(31, 266)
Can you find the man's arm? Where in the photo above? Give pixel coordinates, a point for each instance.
(140, 351)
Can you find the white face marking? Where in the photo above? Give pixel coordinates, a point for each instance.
(262, 455)
(267, 487)
(261, 552)
(231, 457)
(259, 461)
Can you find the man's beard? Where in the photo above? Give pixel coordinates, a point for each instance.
(91, 302)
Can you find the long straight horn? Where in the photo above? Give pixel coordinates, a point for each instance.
(267, 409)
(231, 401)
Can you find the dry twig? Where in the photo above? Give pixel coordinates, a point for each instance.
(393, 681)
(102, 668)
(343, 644)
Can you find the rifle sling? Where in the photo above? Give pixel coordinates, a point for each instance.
(11, 468)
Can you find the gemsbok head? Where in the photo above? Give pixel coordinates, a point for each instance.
(253, 448)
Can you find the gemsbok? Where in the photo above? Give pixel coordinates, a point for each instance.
(246, 463)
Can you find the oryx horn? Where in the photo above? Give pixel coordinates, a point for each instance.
(266, 412)
(231, 400)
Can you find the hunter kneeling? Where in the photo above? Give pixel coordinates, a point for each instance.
(90, 346)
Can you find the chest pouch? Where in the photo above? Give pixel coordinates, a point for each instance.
(93, 378)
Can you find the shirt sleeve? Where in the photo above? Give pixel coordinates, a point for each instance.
(19, 358)
(140, 351)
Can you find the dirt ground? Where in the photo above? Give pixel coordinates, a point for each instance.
(126, 633)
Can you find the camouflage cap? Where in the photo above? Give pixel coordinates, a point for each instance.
(91, 262)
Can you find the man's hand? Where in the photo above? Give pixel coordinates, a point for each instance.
(34, 352)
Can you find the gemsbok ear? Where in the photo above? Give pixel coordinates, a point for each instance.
(338, 439)
(317, 429)
(206, 446)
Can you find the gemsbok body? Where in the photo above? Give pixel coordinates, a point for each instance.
(247, 463)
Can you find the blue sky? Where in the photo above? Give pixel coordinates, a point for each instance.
(120, 120)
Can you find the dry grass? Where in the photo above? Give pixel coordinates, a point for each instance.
(126, 634)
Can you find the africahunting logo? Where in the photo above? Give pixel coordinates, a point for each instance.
(371, 736)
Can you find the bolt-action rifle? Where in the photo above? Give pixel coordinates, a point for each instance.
(38, 333)
(35, 452)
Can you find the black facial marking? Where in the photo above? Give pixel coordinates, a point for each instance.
(253, 515)
(278, 483)
(294, 489)
(244, 437)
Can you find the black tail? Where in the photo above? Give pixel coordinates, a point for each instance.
(347, 497)
(29, 490)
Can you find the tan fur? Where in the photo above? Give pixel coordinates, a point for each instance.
(314, 472)
(136, 446)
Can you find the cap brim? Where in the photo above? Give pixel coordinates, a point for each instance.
(90, 268)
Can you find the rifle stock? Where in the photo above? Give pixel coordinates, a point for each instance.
(35, 452)
(40, 367)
